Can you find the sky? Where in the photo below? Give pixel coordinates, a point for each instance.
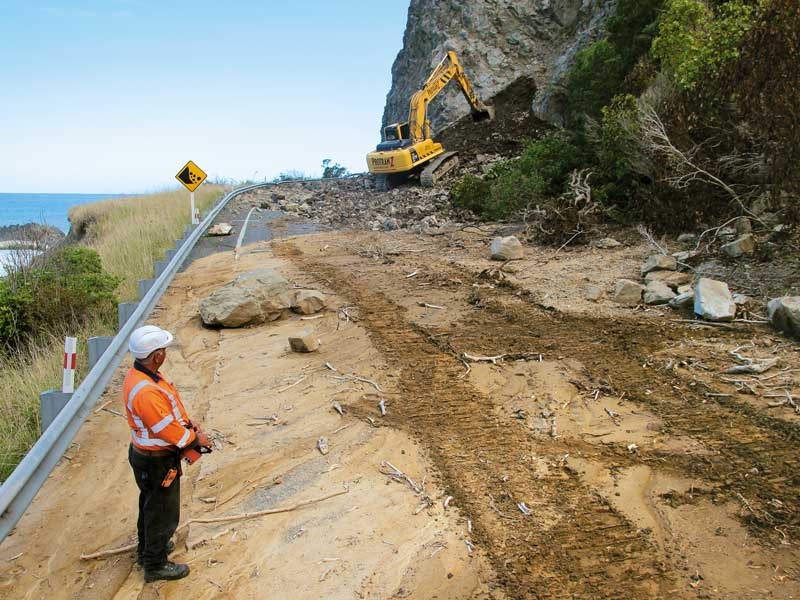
(114, 96)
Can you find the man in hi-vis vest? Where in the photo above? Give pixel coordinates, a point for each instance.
(161, 434)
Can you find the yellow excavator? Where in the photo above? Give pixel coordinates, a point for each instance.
(407, 148)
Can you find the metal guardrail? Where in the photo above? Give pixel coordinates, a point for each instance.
(18, 491)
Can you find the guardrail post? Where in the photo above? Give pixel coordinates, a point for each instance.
(52, 402)
(97, 346)
(178, 243)
(125, 310)
(171, 254)
(158, 268)
(144, 287)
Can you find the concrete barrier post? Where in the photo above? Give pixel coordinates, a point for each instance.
(178, 243)
(171, 254)
(126, 309)
(158, 268)
(97, 347)
(52, 401)
(144, 287)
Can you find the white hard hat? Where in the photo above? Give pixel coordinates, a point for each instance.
(146, 340)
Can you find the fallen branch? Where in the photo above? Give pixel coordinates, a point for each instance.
(491, 359)
(426, 305)
(240, 517)
(291, 385)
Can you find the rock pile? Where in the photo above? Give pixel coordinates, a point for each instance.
(256, 297)
(664, 284)
(353, 203)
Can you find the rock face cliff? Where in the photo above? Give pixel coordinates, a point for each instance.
(497, 41)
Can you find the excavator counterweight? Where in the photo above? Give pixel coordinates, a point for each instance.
(408, 148)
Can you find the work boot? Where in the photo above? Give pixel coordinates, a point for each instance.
(169, 570)
(170, 548)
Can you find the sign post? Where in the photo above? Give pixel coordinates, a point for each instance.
(70, 364)
(191, 176)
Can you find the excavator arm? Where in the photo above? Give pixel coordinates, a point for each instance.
(419, 126)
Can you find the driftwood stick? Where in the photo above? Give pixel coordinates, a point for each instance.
(291, 385)
(227, 519)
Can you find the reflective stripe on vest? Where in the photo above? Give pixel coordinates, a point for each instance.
(142, 435)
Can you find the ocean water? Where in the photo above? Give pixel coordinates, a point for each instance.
(51, 209)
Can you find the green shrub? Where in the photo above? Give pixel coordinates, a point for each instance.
(540, 172)
(694, 43)
(471, 193)
(601, 70)
(66, 288)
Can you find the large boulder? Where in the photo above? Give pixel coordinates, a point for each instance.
(658, 292)
(628, 293)
(713, 300)
(506, 248)
(659, 262)
(785, 314)
(253, 297)
(308, 302)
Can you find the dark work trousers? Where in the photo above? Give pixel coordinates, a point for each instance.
(159, 507)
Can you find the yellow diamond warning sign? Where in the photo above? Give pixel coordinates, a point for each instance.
(191, 176)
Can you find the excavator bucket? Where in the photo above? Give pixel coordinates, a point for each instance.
(487, 114)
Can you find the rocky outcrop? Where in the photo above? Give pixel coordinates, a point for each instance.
(498, 43)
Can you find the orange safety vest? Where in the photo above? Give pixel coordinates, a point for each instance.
(155, 412)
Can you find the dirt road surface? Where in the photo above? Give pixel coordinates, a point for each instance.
(601, 454)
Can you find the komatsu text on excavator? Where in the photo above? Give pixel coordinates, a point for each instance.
(407, 148)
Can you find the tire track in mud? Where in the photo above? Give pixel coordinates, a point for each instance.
(575, 545)
(753, 458)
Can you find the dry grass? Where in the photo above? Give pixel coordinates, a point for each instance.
(132, 233)
(22, 377)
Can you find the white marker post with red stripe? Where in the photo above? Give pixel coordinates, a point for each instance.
(70, 364)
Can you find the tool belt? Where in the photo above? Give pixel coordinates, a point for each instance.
(159, 453)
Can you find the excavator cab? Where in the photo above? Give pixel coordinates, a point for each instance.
(396, 135)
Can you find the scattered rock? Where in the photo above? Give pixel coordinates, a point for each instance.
(391, 224)
(687, 238)
(659, 262)
(682, 300)
(743, 225)
(785, 314)
(713, 300)
(220, 229)
(507, 248)
(685, 256)
(741, 299)
(628, 293)
(305, 341)
(254, 297)
(606, 243)
(658, 292)
(673, 279)
(593, 293)
(308, 302)
(682, 289)
(740, 246)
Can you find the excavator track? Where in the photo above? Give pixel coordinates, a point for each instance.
(438, 168)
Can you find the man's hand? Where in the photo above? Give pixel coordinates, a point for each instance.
(202, 439)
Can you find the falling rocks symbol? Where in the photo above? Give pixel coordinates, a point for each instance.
(187, 177)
